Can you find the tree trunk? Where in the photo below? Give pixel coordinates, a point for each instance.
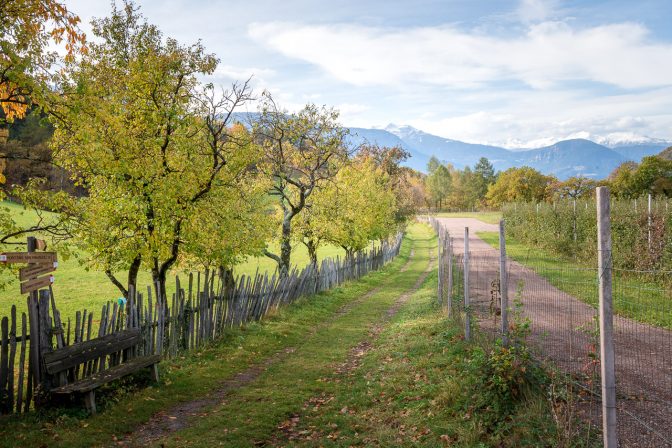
(159, 279)
(285, 246)
(311, 245)
(133, 274)
(228, 280)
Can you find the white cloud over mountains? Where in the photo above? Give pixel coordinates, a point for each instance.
(550, 81)
(547, 53)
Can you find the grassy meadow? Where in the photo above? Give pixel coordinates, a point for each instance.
(77, 288)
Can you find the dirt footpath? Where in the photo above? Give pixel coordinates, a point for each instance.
(564, 331)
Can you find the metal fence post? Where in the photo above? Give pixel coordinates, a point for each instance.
(503, 285)
(467, 312)
(607, 363)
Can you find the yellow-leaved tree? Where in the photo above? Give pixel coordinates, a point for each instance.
(156, 150)
(358, 207)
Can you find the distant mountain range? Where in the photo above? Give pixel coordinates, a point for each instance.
(563, 159)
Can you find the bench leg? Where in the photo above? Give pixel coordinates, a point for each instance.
(90, 402)
(155, 373)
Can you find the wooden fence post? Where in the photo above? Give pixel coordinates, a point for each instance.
(467, 311)
(34, 324)
(607, 362)
(450, 276)
(439, 253)
(503, 285)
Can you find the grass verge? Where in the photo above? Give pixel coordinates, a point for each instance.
(423, 385)
(634, 297)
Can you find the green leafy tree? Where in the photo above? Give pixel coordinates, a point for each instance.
(357, 207)
(439, 184)
(576, 187)
(301, 153)
(519, 184)
(150, 144)
(433, 164)
(483, 177)
(401, 179)
(653, 175)
(621, 180)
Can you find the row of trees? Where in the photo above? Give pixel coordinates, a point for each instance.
(481, 187)
(448, 187)
(170, 177)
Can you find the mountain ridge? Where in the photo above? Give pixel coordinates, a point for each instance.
(563, 159)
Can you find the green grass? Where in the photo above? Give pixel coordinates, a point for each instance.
(77, 288)
(193, 374)
(634, 296)
(487, 217)
(414, 387)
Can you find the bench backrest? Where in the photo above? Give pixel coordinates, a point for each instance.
(68, 357)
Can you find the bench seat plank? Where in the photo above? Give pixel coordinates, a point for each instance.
(94, 381)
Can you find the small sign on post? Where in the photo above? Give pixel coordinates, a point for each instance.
(36, 283)
(35, 269)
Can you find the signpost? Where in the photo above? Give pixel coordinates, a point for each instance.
(34, 277)
(39, 263)
(36, 269)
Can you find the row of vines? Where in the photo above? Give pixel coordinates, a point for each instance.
(642, 236)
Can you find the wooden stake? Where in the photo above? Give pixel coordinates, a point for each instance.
(503, 285)
(607, 362)
(467, 312)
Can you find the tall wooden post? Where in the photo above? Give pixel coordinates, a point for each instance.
(607, 362)
(439, 253)
(34, 324)
(467, 311)
(503, 284)
(450, 276)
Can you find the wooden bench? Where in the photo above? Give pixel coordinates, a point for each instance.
(119, 347)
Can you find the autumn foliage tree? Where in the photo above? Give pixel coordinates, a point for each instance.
(27, 28)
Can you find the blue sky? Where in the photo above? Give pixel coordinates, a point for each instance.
(515, 73)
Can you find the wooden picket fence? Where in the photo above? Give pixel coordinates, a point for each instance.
(198, 312)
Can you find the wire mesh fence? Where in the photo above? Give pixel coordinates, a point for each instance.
(561, 302)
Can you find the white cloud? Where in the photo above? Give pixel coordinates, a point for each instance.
(546, 54)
